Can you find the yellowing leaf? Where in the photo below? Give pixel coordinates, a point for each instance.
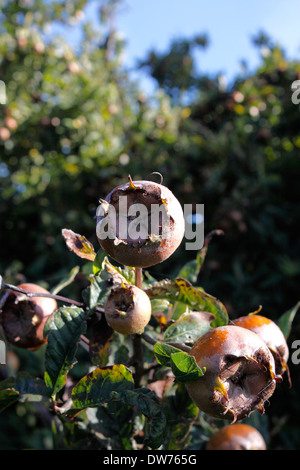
(78, 244)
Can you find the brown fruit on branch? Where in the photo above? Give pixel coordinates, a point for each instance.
(128, 309)
(23, 318)
(271, 334)
(140, 223)
(238, 436)
(239, 376)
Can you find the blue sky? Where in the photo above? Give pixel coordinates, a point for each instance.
(229, 24)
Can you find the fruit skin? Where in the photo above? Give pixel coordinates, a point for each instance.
(239, 376)
(159, 242)
(23, 319)
(128, 309)
(271, 334)
(238, 436)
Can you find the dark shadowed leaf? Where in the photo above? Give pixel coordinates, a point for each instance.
(30, 388)
(63, 329)
(8, 395)
(22, 388)
(100, 339)
(145, 401)
(95, 293)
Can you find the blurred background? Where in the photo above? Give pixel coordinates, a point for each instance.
(92, 91)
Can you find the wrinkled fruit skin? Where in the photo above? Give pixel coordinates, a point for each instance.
(158, 238)
(271, 334)
(236, 436)
(239, 376)
(23, 319)
(128, 309)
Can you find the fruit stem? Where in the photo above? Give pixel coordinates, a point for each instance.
(139, 277)
(138, 352)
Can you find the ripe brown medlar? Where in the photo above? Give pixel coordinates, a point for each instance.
(239, 373)
(238, 436)
(140, 223)
(23, 318)
(127, 309)
(271, 334)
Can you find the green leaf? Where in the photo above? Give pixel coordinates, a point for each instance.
(97, 386)
(163, 353)
(189, 327)
(185, 367)
(146, 402)
(194, 297)
(116, 273)
(66, 281)
(286, 320)
(191, 269)
(98, 261)
(63, 329)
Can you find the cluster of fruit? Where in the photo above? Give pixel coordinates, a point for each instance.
(243, 360)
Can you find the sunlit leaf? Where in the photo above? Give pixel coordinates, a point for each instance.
(163, 353)
(97, 387)
(189, 327)
(194, 297)
(286, 320)
(66, 280)
(184, 367)
(78, 244)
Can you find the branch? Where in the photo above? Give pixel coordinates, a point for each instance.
(4, 285)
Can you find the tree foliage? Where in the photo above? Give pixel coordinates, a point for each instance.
(74, 126)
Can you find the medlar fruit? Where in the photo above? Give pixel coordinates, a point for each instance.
(239, 373)
(23, 318)
(238, 436)
(140, 223)
(127, 309)
(271, 334)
